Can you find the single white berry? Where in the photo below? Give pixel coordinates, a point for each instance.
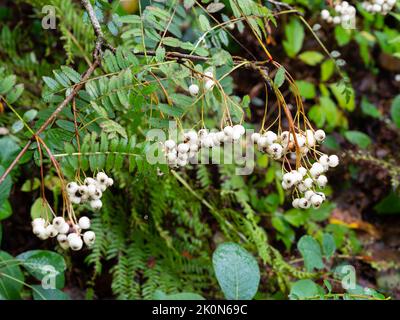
(304, 203)
(336, 20)
(101, 177)
(191, 136)
(96, 204)
(302, 171)
(170, 144)
(208, 75)
(322, 195)
(325, 14)
(89, 238)
(302, 187)
(75, 241)
(109, 182)
(228, 130)
(183, 148)
(90, 181)
(63, 241)
(51, 231)
(64, 228)
(255, 137)
(308, 182)
(194, 89)
(333, 160)
(316, 200)
(322, 181)
(84, 223)
(43, 236)
(72, 187)
(271, 136)
(202, 132)
(324, 160)
(92, 189)
(239, 128)
(39, 229)
(75, 200)
(263, 142)
(275, 149)
(308, 194)
(295, 203)
(285, 186)
(38, 222)
(171, 156)
(310, 139)
(288, 179)
(58, 222)
(209, 85)
(316, 169)
(319, 135)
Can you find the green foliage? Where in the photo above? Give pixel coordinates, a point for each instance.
(237, 271)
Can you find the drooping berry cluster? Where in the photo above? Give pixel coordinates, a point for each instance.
(343, 13)
(69, 234)
(179, 155)
(379, 6)
(278, 146)
(91, 191)
(305, 181)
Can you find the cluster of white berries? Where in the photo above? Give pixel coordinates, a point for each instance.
(179, 155)
(209, 83)
(379, 6)
(279, 145)
(344, 12)
(91, 191)
(305, 180)
(69, 234)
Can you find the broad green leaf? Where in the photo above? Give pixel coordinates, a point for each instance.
(330, 111)
(46, 266)
(8, 150)
(304, 289)
(307, 89)
(294, 32)
(369, 109)
(7, 84)
(30, 115)
(327, 69)
(279, 77)
(40, 209)
(317, 114)
(358, 138)
(11, 277)
(311, 253)
(342, 35)
(17, 126)
(328, 245)
(311, 58)
(5, 210)
(395, 110)
(160, 295)
(48, 294)
(237, 271)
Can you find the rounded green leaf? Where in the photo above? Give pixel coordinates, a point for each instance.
(358, 138)
(42, 263)
(304, 289)
(237, 271)
(311, 252)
